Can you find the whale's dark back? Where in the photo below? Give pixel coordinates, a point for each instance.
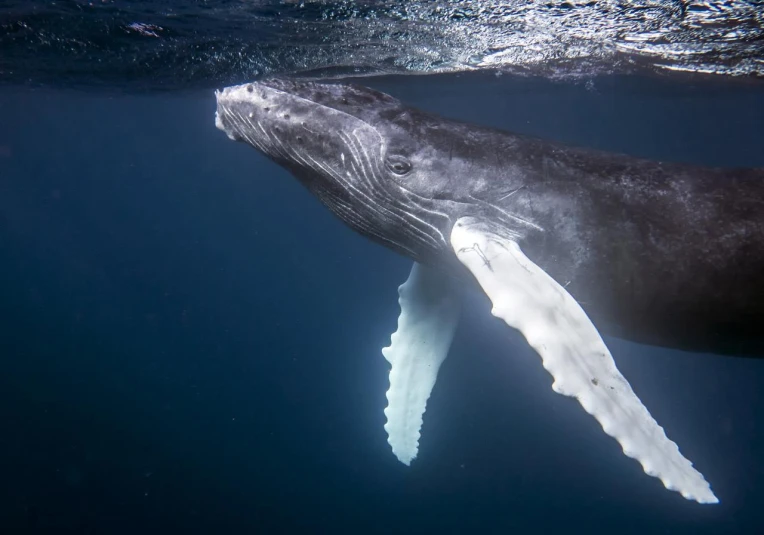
(663, 254)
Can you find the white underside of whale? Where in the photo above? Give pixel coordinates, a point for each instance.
(553, 323)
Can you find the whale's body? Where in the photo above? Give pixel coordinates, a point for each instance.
(658, 253)
(559, 238)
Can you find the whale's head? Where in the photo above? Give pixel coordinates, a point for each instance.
(389, 171)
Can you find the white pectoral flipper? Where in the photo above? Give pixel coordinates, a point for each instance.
(429, 303)
(555, 325)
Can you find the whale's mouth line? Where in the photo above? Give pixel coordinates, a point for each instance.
(242, 124)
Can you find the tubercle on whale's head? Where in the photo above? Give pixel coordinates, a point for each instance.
(351, 146)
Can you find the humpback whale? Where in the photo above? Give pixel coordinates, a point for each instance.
(559, 238)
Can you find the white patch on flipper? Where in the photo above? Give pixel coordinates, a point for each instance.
(571, 349)
(429, 303)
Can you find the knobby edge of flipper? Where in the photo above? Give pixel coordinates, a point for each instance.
(526, 298)
(430, 305)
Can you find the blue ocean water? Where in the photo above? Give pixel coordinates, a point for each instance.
(191, 343)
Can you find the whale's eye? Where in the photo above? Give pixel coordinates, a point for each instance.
(398, 164)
